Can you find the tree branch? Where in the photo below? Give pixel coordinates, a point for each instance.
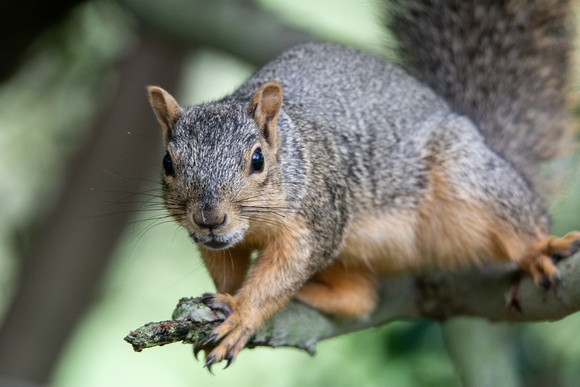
(497, 293)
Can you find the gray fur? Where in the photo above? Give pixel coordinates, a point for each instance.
(504, 63)
(357, 137)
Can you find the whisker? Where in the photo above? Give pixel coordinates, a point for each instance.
(164, 219)
(120, 212)
(267, 220)
(144, 204)
(163, 216)
(132, 193)
(263, 212)
(275, 207)
(156, 223)
(127, 178)
(249, 198)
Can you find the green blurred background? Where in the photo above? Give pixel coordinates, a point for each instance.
(87, 252)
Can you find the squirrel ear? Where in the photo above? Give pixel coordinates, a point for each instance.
(166, 109)
(264, 108)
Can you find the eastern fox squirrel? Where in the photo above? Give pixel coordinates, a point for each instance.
(340, 168)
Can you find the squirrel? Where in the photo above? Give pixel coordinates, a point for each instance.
(340, 168)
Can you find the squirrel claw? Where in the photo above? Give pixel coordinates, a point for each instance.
(197, 347)
(544, 283)
(230, 359)
(209, 362)
(211, 338)
(556, 278)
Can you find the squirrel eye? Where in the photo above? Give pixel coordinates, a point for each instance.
(257, 164)
(168, 165)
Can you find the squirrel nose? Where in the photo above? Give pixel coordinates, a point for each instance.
(209, 217)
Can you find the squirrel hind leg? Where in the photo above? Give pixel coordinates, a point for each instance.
(540, 260)
(340, 290)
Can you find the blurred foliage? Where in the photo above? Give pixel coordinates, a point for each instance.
(351, 22)
(44, 110)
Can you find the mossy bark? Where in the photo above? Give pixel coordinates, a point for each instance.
(493, 292)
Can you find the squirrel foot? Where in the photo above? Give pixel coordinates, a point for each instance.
(540, 262)
(229, 338)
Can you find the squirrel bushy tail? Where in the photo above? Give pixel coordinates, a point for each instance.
(503, 63)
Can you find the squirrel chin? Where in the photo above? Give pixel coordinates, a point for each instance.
(213, 244)
(218, 242)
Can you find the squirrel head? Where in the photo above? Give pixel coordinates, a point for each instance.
(220, 173)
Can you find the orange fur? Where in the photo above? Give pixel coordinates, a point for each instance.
(455, 230)
(447, 231)
(384, 244)
(267, 289)
(228, 268)
(342, 291)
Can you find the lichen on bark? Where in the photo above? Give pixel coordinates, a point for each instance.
(488, 292)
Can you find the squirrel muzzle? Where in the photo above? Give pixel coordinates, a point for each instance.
(212, 226)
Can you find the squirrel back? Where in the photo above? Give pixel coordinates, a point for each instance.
(505, 64)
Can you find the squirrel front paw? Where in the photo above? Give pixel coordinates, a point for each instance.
(222, 302)
(540, 262)
(230, 337)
